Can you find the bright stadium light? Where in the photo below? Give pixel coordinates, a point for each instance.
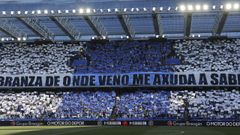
(137, 9)
(12, 12)
(236, 6)
(132, 9)
(2, 39)
(205, 7)
(154, 9)
(214, 7)
(161, 8)
(125, 9)
(198, 7)
(109, 10)
(88, 10)
(81, 10)
(45, 11)
(39, 11)
(59, 11)
(116, 9)
(19, 12)
(33, 12)
(52, 12)
(104, 37)
(182, 7)
(74, 11)
(199, 35)
(24, 38)
(144, 9)
(163, 36)
(127, 37)
(221, 6)
(66, 11)
(4, 12)
(228, 6)
(19, 39)
(190, 7)
(157, 36)
(169, 8)
(26, 12)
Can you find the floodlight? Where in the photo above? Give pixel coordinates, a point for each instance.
(154, 9)
(26, 12)
(190, 7)
(125, 9)
(199, 35)
(33, 12)
(137, 9)
(73, 11)
(198, 7)
(59, 11)
(81, 10)
(18, 12)
(116, 9)
(24, 38)
(144, 9)
(4, 12)
(127, 37)
(182, 8)
(52, 11)
(169, 8)
(12, 12)
(45, 11)
(19, 39)
(2, 39)
(228, 6)
(157, 36)
(205, 7)
(39, 11)
(214, 7)
(161, 8)
(221, 6)
(67, 11)
(88, 10)
(163, 36)
(193, 35)
(236, 6)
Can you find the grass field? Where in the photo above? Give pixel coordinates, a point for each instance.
(119, 130)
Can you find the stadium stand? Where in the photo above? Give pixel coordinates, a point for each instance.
(138, 105)
(207, 55)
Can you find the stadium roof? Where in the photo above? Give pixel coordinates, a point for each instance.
(117, 19)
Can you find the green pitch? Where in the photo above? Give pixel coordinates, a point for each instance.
(119, 130)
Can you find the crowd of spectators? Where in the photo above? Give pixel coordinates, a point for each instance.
(142, 104)
(86, 104)
(207, 55)
(18, 59)
(121, 57)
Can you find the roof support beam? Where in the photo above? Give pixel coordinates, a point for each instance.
(37, 28)
(187, 24)
(67, 27)
(157, 24)
(126, 25)
(10, 29)
(96, 25)
(219, 23)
